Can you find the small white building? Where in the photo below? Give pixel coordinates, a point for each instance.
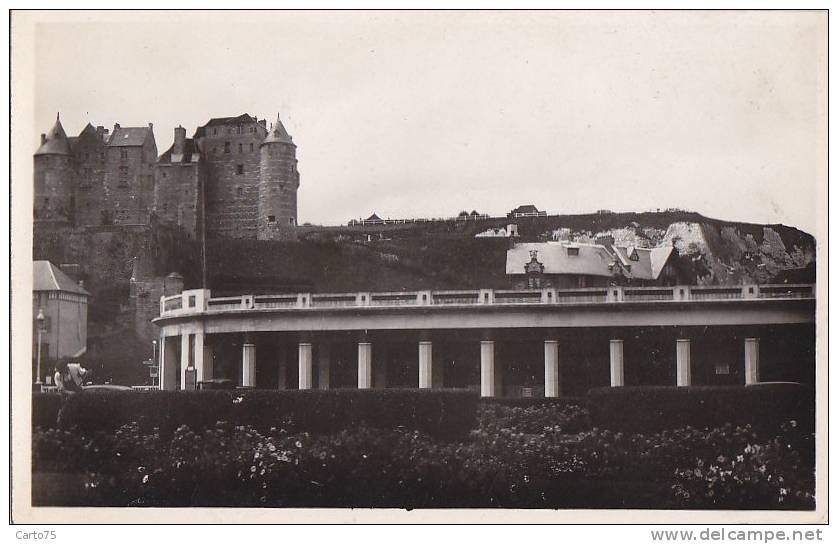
(509, 231)
(63, 304)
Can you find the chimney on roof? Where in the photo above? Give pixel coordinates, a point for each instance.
(180, 140)
(43, 138)
(263, 122)
(100, 131)
(115, 127)
(151, 126)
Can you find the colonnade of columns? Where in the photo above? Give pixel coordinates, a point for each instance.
(196, 360)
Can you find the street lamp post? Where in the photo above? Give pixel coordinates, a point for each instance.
(40, 320)
(153, 358)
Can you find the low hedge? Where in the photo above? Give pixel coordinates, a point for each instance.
(45, 408)
(448, 413)
(525, 402)
(655, 408)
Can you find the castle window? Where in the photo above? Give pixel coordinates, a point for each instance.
(239, 169)
(226, 147)
(215, 132)
(240, 148)
(102, 156)
(271, 219)
(251, 147)
(123, 176)
(164, 174)
(123, 154)
(239, 191)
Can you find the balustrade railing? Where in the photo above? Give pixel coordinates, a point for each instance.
(714, 293)
(455, 297)
(171, 304)
(517, 297)
(274, 301)
(612, 295)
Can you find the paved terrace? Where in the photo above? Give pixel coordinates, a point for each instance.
(186, 318)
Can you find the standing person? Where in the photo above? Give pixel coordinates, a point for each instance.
(60, 371)
(74, 378)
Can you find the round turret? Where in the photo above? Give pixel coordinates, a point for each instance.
(278, 184)
(54, 180)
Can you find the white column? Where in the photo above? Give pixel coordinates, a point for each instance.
(425, 365)
(487, 368)
(305, 365)
(323, 365)
(248, 365)
(203, 358)
(551, 368)
(751, 360)
(617, 363)
(168, 370)
(184, 359)
(364, 365)
(682, 356)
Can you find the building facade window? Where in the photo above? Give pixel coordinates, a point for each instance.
(271, 219)
(239, 191)
(241, 149)
(226, 147)
(239, 169)
(123, 154)
(251, 147)
(123, 176)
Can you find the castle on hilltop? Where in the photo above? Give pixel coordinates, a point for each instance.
(235, 178)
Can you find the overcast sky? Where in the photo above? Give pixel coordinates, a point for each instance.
(422, 115)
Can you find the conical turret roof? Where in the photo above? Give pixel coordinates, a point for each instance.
(56, 141)
(278, 134)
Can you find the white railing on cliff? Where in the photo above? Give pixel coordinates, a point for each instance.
(199, 300)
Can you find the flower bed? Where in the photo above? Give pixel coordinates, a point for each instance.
(533, 457)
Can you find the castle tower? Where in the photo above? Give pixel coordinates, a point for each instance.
(54, 179)
(278, 183)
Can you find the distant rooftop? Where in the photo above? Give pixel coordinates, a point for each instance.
(48, 277)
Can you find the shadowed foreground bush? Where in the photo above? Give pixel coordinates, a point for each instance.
(533, 457)
(444, 413)
(45, 408)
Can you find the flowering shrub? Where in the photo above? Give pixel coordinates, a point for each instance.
(516, 457)
(534, 419)
(770, 475)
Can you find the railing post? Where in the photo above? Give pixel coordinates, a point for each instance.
(304, 300)
(162, 305)
(615, 294)
(681, 292)
(362, 299)
(423, 298)
(548, 296)
(750, 291)
(247, 301)
(486, 296)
